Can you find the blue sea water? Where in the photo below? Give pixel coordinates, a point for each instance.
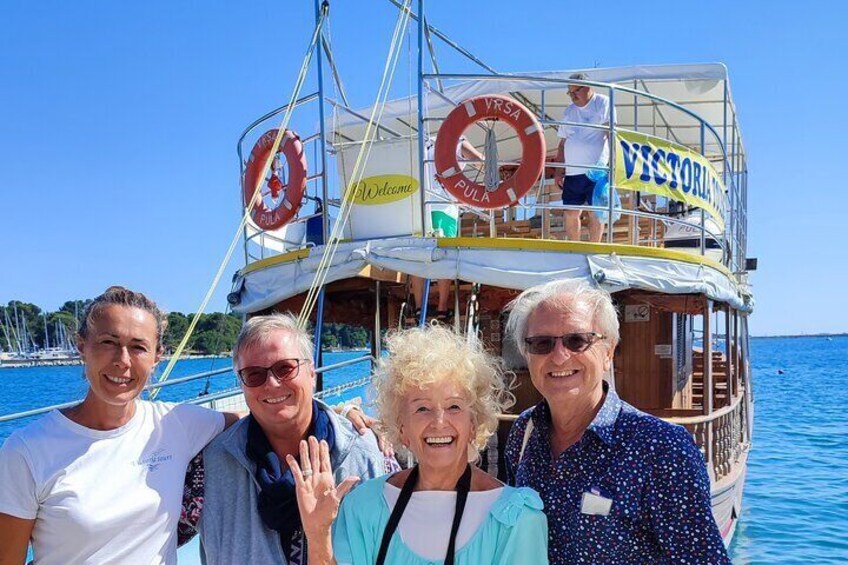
(795, 508)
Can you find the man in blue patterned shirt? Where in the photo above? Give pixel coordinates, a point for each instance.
(619, 485)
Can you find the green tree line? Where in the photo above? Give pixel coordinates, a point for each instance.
(19, 319)
(343, 336)
(215, 333)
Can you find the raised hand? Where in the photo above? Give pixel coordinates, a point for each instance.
(318, 497)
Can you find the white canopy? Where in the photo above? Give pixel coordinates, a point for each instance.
(507, 267)
(700, 88)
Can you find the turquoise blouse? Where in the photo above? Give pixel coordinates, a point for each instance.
(516, 530)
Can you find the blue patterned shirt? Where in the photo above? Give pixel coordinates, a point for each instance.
(650, 469)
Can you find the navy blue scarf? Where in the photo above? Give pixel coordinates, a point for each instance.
(277, 497)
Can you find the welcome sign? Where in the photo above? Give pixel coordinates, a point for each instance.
(650, 164)
(384, 189)
(386, 200)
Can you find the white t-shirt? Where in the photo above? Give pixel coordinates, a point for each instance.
(427, 520)
(585, 146)
(104, 496)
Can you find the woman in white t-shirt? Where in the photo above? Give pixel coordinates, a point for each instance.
(102, 481)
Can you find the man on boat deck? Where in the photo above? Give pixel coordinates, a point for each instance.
(250, 512)
(580, 148)
(619, 485)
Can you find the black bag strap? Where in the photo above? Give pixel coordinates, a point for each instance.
(397, 512)
(463, 486)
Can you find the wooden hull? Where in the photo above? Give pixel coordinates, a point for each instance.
(727, 500)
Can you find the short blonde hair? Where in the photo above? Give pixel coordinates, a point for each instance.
(420, 357)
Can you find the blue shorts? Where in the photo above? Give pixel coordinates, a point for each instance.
(577, 190)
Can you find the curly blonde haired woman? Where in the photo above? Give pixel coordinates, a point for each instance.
(439, 397)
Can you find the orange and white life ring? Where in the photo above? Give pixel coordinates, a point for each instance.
(288, 196)
(511, 189)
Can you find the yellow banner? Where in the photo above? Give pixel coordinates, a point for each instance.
(650, 164)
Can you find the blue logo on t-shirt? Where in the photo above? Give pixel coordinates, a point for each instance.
(154, 460)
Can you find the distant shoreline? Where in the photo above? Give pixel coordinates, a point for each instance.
(199, 356)
(29, 363)
(797, 336)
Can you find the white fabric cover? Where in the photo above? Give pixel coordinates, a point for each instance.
(508, 268)
(700, 87)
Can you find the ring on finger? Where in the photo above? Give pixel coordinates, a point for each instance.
(307, 473)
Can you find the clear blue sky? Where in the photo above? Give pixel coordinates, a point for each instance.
(119, 122)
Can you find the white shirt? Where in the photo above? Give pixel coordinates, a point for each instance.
(585, 146)
(104, 496)
(426, 522)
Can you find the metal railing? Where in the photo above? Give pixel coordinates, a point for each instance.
(711, 144)
(730, 242)
(229, 394)
(208, 398)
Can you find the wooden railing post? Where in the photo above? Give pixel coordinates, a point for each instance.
(728, 353)
(736, 357)
(709, 393)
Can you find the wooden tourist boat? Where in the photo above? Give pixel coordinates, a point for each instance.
(339, 235)
(340, 218)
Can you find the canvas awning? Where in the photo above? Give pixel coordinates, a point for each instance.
(701, 88)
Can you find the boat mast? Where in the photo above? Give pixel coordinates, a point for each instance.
(6, 329)
(321, 6)
(421, 132)
(46, 334)
(20, 337)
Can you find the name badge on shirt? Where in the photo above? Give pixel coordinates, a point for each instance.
(595, 505)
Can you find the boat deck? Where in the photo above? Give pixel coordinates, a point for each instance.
(547, 223)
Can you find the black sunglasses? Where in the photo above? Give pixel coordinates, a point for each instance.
(283, 370)
(576, 342)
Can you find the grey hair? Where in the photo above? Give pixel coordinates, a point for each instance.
(258, 328)
(576, 291)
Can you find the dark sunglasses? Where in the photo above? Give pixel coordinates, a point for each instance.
(283, 370)
(576, 342)
(575, 91)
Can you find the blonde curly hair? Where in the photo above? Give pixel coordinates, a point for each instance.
(420, 357)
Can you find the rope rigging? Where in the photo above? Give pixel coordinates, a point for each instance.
(359, 166)
(345, 206)
(256, 196)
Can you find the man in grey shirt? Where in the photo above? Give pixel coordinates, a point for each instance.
(250, 510)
